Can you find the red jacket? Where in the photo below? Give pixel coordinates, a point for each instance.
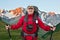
(21, 22)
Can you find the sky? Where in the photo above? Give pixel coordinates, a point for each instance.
(43, 5)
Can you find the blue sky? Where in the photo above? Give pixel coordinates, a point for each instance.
(45, 5)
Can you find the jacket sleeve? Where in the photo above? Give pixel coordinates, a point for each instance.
(18, 25)
(42, 25)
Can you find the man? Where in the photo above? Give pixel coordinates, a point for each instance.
(29, 24)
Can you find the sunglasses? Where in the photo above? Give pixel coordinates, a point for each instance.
(30, 8)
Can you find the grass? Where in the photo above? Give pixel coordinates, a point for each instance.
(16, 34)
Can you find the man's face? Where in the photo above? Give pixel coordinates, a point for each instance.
(30, 10)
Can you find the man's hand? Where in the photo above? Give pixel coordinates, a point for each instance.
(7, 26)
(53, 28)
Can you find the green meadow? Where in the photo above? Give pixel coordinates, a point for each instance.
(16, 34)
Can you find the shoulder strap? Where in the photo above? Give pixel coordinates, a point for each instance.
(26, 18)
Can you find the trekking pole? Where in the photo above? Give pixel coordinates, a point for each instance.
(9, 32)
(51, 37)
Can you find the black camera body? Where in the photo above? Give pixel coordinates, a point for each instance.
(29, 27)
